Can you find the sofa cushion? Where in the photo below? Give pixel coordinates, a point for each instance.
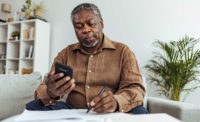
(16, 91)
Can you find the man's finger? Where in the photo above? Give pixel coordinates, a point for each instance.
(103, 104)
(62, 82)
(52, 72)
(98, 98)
(70, 89)
(52, 78)
(105, 108)
(66, 86)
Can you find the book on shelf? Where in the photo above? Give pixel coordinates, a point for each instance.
(32, 33)
(26, 34)
(29, 34)
(30, 52)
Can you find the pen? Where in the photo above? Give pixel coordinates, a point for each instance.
(90, 107)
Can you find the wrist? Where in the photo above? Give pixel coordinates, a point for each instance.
(55, 98)
(51, 96)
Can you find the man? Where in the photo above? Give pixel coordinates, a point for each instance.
(97, 61)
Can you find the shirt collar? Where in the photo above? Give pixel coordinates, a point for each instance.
(107, 44)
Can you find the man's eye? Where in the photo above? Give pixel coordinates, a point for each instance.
(78, 27)
(90, 24)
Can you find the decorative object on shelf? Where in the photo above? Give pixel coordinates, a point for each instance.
(27, 8)
(3, 69)
(21, 15)
(12, 71)
(32, 33)
(6, 9)
(10, 19)
(26, 34)
(29, 34)
(3, 55)
(175, 68)
(26, 71)
(16, 16)
(39, 9)
(15, 35)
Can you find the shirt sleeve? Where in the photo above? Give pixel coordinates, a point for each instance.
(41, 91)
(131, 90)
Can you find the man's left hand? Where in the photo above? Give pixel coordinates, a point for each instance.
(104, 103)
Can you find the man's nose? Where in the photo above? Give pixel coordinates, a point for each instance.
(86, 29)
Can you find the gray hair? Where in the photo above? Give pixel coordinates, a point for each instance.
(86, 6)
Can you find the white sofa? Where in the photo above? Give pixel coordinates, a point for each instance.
(180, 110)
(17, 90)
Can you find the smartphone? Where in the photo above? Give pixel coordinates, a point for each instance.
(61, 68)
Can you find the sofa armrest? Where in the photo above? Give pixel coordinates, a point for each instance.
(183, 111)
(16, 91)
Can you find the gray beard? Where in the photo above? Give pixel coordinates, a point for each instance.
(92, 45)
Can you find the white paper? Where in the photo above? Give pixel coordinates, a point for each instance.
(64, 115)
(80, 115)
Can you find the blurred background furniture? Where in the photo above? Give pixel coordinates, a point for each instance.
(22, 44)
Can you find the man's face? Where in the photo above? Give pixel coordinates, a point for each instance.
(88, 27)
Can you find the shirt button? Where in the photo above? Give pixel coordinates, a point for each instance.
(88, 87)
(89, 70)
(50, 101)
(122, 110)
(91, 56)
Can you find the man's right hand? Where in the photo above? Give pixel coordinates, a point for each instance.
(59, 88)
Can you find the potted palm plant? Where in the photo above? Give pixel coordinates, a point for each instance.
(174, 66)
(39, 9)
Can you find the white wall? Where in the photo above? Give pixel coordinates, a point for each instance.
(136, 23)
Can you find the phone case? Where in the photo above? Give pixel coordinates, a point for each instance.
(67, 70)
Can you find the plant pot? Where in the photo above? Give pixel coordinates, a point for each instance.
(37, 13)
(16, 38)
(27, 16)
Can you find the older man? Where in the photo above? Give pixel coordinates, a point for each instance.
(97, 61)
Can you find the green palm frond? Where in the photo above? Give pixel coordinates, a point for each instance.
(174, 66)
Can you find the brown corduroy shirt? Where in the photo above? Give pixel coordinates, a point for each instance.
(113, 65)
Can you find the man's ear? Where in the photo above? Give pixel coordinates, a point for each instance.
(101, 21)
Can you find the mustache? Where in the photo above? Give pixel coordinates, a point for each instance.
(87, 36)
